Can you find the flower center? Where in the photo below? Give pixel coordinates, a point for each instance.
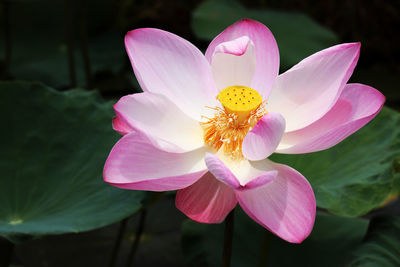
(240, 100)
(242, 109)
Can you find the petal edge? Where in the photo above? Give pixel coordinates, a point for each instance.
(286, 206)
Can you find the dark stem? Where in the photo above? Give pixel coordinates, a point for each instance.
(6, 253)
(228, 238)
(68, 18)
(263, 260)
(83, 33)
(138, 236)
(118, 242)
(7, 36)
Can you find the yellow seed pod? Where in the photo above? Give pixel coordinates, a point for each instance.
(240, 100)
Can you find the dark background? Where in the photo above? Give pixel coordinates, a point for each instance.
(31, 28)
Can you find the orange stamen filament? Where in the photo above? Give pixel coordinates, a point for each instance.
(227, 129)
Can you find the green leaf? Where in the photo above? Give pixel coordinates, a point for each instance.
(297, 35)
(49, 62)
(53, 149)
(329, 244)
(381, 246)
(356, 175)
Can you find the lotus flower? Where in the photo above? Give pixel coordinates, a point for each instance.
(205, 125)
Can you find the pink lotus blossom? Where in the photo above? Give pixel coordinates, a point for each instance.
(205, 125)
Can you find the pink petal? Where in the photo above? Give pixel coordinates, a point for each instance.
(308, 91)
(206, 201)
(120, 126)
(157, 116)
(135, 163)
(220, 171)
(264, 138)
(261, 180)
(167, 64)
(357, 105)
(285, 206)
(265, 49)
(254, 177)
(162, 184)
(234, 63)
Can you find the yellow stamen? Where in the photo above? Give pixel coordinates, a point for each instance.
(243, 108)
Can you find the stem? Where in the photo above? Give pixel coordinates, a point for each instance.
(228, 238)
(263, 260)
(7, 37)
(84, 42)
(118, 242)
(7, 251)
(70, 42)
(138, 236)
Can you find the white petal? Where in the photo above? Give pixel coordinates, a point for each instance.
(157, 116)
(234, 63)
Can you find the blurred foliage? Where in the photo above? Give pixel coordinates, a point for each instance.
(52, 156)
(381, 246)
(40, 50)
(358, 174)
(330, 243)
(374, 23)
(297, 35)
(160, 243)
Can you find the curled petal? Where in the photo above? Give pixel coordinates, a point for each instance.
(120, 126)
(306, 92)
(237, 47)
(357, 105)
(234, 63)
(263, 179)
(206, 201)
(286, 206)
(157, 116)
(264, 138)
(135, 163)
(220, 171)
(265, 50)
(167, 64)
(250, 177)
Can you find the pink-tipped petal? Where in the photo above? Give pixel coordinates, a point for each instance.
(286, 206)
(220, 171)
(247, 176)
(206, 201)
(265, 50)
(261, 180)
(264, 138)
(120, 126)
(309, 90)
(157, 116)
(162, 184)
(234, 63)
(235, 47)
(167, 64)
(357, 105)
(135, 163)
